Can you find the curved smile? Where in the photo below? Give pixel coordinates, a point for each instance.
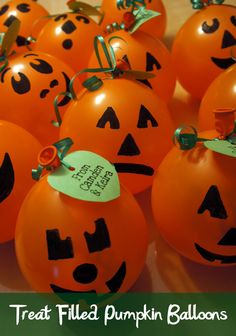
(210, 256)
(223, 63)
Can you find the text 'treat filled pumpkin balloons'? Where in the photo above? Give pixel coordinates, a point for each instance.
(202, 47)
(18, 154)
(67, 245)
(28, 87)
(28, 12)
(146, 53)
(220, 94)
(155, 27)
(193, 202)
(71, 38)
(125, 122)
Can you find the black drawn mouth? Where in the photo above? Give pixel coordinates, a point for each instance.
(223, 63)
(211, 257)
(114, 284)
(134, 168)
(7, 178)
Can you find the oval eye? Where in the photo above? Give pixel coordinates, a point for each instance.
(233, 20)
(23, 8)
(20, 86)
(209, 29)
(3, 9)
(42, 67)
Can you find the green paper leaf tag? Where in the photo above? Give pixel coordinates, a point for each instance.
(94, 178)
(10, 37)
(142, 15)
(221, 146)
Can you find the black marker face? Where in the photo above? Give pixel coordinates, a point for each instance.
(86, 273)
(23, 8)
(214, 205)
(7, 177)
(109, 119)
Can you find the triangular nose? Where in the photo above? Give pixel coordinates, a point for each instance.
(229, 238)
(129, 147)
(228, 40)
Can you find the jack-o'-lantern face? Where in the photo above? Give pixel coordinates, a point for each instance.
(83, 247)
(71, 38)
(27, 11)
(156, 26)
(202, 48)
(127, 124)
(28, 86)
(15, 179)
(144, 53)
(194, 204)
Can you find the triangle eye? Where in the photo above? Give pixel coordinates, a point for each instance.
(213, 203)
(109, 116)
(151, 61)
(145, 117)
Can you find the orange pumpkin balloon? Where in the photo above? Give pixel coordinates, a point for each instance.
(18, 154)
(220, 94)
(193, 202)
(146, 53)
(71, 38)
(28, 12)
(126, 123)
(28, 87)
(155, 27)
(67, 245)
(202, 47)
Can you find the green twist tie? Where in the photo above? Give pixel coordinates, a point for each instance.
(62, 148)
(134, 4)
(187, 141)
(199, 4)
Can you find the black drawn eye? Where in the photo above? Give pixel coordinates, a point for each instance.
(109, 116)
(42, 66)
(58, 248)
(151, 62)
(22, 85)
(209, 29)
(3, 9)
(213, 203)
(100, 239)
(145, 117)
(60, 17)
(233, 20)
(23, 8)
(82, 18)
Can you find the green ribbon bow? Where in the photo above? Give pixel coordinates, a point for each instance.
(94, 83)
(62, 147)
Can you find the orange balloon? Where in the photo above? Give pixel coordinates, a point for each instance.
(202, 47)
(145, 53)
(220, 94)
(125, 122)
(193, 202)
(155, 27)
(28, 12)
(67, 245)
(71, 38)
(18, 154)
(28, 87)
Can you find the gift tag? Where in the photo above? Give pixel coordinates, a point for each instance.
(142, 15)
(221, 146)
(93, 179)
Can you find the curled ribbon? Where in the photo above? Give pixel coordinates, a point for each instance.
(199, 4)
(135, 4)
(115, 69)
(51, 157)
(189, 140)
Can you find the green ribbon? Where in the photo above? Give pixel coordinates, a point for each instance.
(189, 140)
(135, 4)
(199, 4)
(94, 83)
(62, 147)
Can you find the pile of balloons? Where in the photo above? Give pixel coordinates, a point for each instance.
(85, 95)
